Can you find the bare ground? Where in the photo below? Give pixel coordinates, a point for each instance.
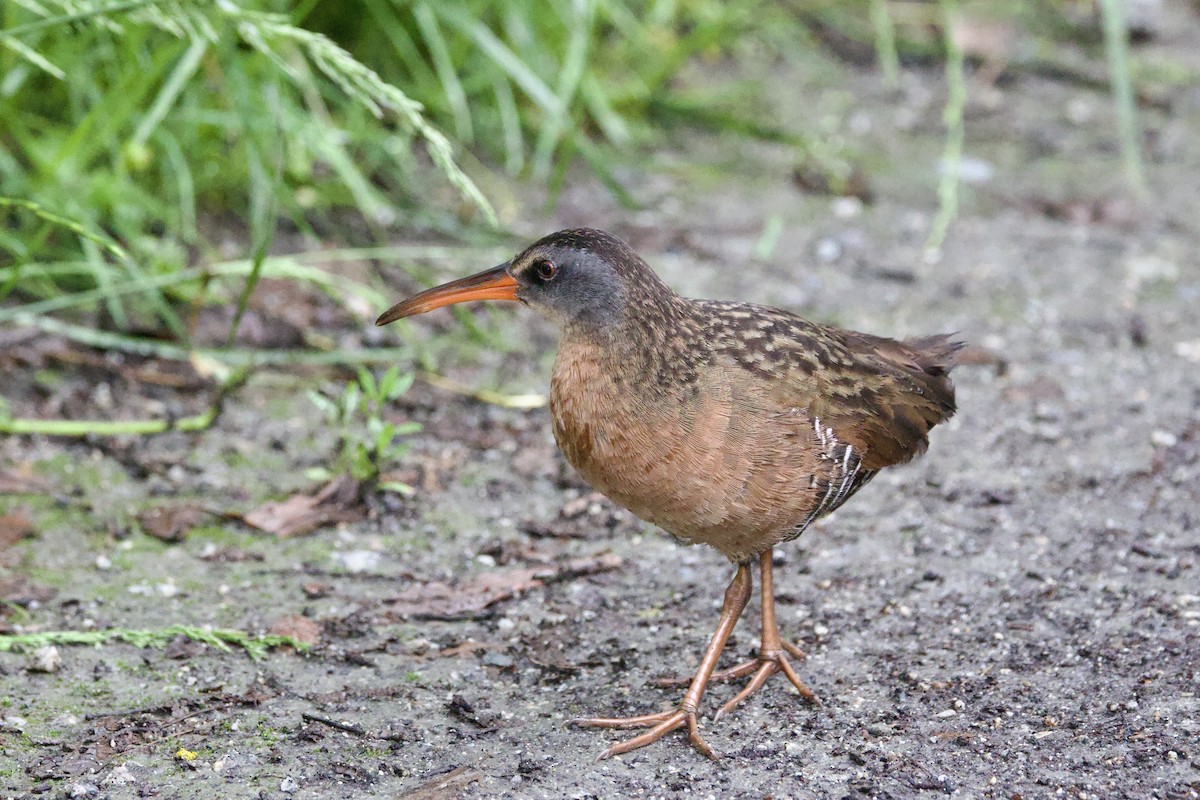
(1015, 615)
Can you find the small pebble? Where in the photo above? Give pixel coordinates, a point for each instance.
(828, 250)
(1163, 438)
(498, 660)
(121, 776)
(357, 560)
(947, 714)
(45, 659)
(288, 785)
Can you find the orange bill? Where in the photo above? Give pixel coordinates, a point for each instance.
(492, 284)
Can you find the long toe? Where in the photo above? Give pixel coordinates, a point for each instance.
(644, 721)
(767, 667)
(671, 722)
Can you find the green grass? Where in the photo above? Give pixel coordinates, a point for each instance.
(141, 138)
(255, 646)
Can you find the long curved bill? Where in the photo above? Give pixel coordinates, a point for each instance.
(492, 284)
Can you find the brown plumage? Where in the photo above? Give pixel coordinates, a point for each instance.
(728, 424)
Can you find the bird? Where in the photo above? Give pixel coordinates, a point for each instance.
(724, 423)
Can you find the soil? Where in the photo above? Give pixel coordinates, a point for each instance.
(1015, 615)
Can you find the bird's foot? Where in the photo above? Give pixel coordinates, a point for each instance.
(733, 673)
(766, 665)
(660, 725)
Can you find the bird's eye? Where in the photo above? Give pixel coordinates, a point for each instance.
(545, 271)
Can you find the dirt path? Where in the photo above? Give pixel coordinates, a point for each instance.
(1015, 615)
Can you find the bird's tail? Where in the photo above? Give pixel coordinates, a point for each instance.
(937, 354)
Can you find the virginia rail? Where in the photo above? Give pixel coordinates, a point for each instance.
(730, 424)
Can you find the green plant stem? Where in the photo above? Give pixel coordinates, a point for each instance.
(885, 43)
(1116, 47)
(90, 427)
(952, 116)
(489, 396)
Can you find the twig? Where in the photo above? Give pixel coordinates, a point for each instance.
(333, 723)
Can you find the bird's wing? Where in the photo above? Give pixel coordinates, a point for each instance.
(880, 396)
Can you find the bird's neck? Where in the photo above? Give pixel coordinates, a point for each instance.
(652, 344)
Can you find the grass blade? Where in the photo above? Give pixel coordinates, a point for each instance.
(952, 117)
(1116, 48)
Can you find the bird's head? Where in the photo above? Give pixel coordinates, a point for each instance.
(581, 278)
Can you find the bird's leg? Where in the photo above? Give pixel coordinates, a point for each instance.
(736, 597)
(769, 624)
(774, 654)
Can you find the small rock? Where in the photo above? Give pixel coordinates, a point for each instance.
(234, 761)
(970, 170)
(1163, 439)
(575, 508)
(121, 776)
(847, 207)
(1149, 268)
(947, 714)
(83, 790)
(879, 729)
(357, 560)
(316, 589)
(493, 659)
(1189, 350)
(1048, 432)
(13, 723)
(288, 785)
(419, 646)
(45, 659)
(829, 250)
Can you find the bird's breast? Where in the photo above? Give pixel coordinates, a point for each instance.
(704, 460)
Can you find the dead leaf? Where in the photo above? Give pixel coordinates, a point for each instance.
(816, 178)
(19, 590)
(297, 626)
(171, 523)
(468, 648)
(436, 600)
(22, 480)
(14, 526)
(316, 589)
(337, 501)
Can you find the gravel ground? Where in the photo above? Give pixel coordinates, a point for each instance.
(1016, 615)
